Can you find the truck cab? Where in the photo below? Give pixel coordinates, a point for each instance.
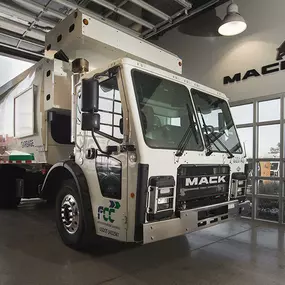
(170, 162)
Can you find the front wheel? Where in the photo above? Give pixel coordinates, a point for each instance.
(70, 220)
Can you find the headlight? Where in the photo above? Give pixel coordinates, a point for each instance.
(165, 191)
(240, 191)
(164, 203)
(238, 187)
(161, 197)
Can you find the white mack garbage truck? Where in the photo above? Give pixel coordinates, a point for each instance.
(107, 128)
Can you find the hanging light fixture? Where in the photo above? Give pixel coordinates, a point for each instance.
(233, 23)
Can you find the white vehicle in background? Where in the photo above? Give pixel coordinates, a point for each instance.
(130, 150)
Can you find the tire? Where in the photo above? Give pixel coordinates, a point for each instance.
(71, 218)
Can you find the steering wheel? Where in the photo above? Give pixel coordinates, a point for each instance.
(209, 129)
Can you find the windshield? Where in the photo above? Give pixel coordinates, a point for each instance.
(165, 111)
(216, 123)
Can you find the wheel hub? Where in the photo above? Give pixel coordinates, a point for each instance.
(70, 214)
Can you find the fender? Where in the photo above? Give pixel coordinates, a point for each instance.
(68, 170)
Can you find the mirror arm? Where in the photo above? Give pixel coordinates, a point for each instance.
(128, 147)
(97, 143)
(109, 73)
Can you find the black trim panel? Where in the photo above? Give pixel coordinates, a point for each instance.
(141, 201)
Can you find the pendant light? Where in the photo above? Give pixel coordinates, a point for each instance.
(233, 23)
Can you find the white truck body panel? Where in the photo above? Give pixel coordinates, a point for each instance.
(100, 44)
(37, 145)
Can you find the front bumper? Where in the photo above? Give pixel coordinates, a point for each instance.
(189, 222)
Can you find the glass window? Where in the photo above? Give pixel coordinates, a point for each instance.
(175, 121)
(269, 110)
(24, 114)
(242, 114)
(110, 108)
(268, 187)
(109, 171)
(267, 209)
(216, 123)
(269, 169)
(246, 138)
(269, 141)
(166, 113)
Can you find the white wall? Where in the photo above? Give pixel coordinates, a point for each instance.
(208, 60)
(10, 68)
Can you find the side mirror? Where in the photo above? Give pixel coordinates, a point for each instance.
(90, 122)
(90, 95)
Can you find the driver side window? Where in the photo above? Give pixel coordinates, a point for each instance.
(110, 108)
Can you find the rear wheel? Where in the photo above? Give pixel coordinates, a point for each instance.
(70, 220)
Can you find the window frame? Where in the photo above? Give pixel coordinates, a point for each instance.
(256, 159)
(111, 137)
(201, 127)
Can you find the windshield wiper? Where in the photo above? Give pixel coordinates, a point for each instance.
(209, 148)
(210, 140)
(223, 145)
(186, 137)
(236, 147)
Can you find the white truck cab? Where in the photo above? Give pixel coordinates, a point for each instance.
(133, 151)
(172, 153)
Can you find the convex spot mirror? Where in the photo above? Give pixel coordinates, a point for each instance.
(90, 122)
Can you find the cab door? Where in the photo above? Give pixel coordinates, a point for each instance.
(112, 169)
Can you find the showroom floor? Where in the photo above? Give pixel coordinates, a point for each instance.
(234, 253)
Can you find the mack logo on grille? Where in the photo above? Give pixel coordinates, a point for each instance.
(196, 181)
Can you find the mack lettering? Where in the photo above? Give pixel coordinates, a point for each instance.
(205, 180)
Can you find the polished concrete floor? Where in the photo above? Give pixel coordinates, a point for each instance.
(235, 253)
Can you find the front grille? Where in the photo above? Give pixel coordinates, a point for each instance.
(202, 185)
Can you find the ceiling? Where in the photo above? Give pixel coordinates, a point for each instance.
(24, 23)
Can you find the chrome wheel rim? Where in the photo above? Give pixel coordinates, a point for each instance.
(70, 214)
